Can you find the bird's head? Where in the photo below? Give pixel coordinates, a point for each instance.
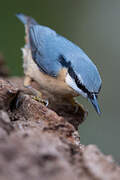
(84, 78)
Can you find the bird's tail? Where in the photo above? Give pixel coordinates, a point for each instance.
(26, 19)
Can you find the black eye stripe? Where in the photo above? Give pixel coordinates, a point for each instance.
(77, 81)
(75, 77)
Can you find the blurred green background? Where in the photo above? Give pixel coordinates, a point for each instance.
(93, 25)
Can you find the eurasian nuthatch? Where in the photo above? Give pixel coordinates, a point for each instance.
(57, 64)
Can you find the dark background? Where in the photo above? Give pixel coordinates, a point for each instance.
(93, 25)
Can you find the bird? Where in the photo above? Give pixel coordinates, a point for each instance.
(57, 64)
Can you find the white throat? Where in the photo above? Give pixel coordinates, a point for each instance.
(70, 81)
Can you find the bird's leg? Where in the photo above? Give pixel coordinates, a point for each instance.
(37, 95)
(78, 107)
(27, 81)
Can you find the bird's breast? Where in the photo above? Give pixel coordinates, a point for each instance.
(55, 85)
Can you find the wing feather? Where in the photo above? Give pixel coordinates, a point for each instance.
(43, 52)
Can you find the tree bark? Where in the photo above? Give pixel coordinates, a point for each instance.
(39, 143)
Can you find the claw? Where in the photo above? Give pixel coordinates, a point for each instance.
(47, 102)
(37, 96)
(77, 107)
(39, 99)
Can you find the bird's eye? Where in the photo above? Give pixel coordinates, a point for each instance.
(91, 95)
(96, 96)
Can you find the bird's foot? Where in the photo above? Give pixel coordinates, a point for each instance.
(39, 99)
(37, 95)
(78, 108)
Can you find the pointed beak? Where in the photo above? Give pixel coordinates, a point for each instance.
(95, 104)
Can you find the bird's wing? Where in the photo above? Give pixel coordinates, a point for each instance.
(44, 49)
(51, 52)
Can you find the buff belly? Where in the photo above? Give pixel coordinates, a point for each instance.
(54, 85)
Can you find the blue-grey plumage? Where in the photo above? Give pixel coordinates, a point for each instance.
(52, 52)
(23, 18)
